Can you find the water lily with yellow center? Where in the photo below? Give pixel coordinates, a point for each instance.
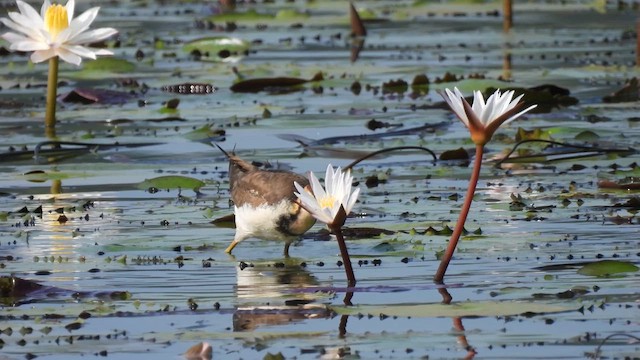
(331, 204)
(324, 204)
(55, 32)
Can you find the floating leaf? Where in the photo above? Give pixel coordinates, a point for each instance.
(172, 182)
(587, 135)
(206, 134)
(291, 14)
(249, 15)
(42, 176)
(470, 308)
(607, 268)
(216, 48)
(276, 84)
(92, 96)
(623, 184)
(629, 92)
(109, 64)
(227, 221)
(457, 154)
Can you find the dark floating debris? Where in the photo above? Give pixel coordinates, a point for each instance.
(459, 154)
(274, 85)
(395, 86)
(93, 96)
(190, 89)
(628, 93)
(628, 183)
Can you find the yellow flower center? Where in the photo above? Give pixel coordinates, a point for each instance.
(56, 20)
(327, 202)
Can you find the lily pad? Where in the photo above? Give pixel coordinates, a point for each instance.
(109, 64)
(172, 182)
(216, 48)
(475, 308)
(606, 268)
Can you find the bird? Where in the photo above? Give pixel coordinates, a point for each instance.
(264, 203)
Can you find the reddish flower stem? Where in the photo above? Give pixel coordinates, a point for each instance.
(453, 242)
(346, 259)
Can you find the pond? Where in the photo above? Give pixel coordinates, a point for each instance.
(102, 256)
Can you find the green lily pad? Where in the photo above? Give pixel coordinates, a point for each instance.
(109, 64)
(171, 182)
(205, 133)
(249, 15)
(291, 14)
(212, 47)
(470, 308)
(607, 268)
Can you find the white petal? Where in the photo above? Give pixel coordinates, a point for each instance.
(71, 6)
(13, 37)
(329, 180)
(29, 12)
(456, 104)
(68, 56)
(92, 36)
(43, 10)
(515, 101)
(42, 55)
(307, 199)
(520, 114)
(479, 107)
(318, 190)
(352, 200)
(82, 22)
(81, 51)
(20, 20)
(491, 109)
(101, 52)
(31, 32)
(28, 45)
(505, 103)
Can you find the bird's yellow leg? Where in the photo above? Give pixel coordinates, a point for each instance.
(231, 246)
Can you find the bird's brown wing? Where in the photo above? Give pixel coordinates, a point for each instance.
(265, 187)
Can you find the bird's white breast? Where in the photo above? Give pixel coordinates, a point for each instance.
(261, 222)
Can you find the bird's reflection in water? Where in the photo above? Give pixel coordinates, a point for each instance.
(271, 293)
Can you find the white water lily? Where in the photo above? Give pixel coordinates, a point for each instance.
(55, 32)
(483, 118)
(325, 203)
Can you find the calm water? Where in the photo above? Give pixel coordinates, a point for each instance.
(149, 268)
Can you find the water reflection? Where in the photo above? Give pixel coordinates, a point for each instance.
(269, 293)
(356, 46)
(457, 324)
(506, 64)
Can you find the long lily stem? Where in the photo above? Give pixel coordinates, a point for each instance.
(346, 259)
(52, 91)
(455, 236)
